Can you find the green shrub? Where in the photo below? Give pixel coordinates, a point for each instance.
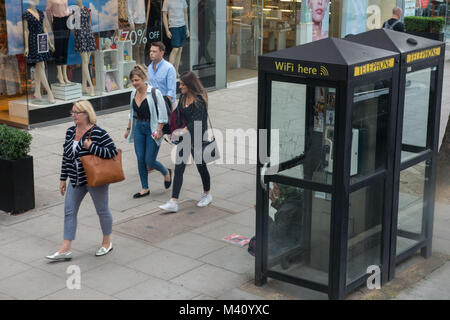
(14, 143)
(425, 24)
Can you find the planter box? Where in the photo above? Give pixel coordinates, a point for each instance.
(17, 185)
(429, 35)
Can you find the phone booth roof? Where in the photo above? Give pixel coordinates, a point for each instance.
(404, 43)
(328, 59)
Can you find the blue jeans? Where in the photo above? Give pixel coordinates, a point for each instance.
(146, 152)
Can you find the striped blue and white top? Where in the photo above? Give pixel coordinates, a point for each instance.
(102, 146)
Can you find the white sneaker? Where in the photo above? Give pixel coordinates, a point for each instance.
(170, 206)
(205, 200)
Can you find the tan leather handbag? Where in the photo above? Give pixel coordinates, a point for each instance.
(101, 171)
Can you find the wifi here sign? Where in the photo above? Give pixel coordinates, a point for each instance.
(299, 68)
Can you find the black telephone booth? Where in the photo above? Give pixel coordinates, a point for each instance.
(417, 139)
(324, 193)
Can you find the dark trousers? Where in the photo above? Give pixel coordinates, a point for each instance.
(179, 172)
(61, 34)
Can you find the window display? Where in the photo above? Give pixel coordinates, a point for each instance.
(58, 14)
(85, 44)
(137, 17)
(85, 49)
(33, 24)
(175, 17)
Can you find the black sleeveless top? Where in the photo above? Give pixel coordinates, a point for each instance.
(143, 112)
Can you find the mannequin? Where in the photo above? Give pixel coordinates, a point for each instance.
(85, 44)
(33, 24)
(58, 14)
(137, 18)
(175, 19)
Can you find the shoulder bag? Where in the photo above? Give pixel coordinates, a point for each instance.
(101, 171)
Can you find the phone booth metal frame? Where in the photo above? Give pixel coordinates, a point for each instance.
(425, 58)
(340, 67)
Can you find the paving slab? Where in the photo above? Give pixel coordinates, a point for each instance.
(156, 289)
(112, 278)
(233, 258)
(210, 280)
(29, 249)
(8, 235)
(85, 261)
(31, 284)
(87, 239)
(159, 225)
(42, 226)
(227, 229)
(126, 249)
(10, 267)
(84, 293)
(238, 294)
(191, 245)
(164, 265)
(246, 218)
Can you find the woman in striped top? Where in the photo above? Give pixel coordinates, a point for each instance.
(76, 145)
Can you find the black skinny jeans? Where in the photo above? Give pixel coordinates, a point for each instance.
(179, 172)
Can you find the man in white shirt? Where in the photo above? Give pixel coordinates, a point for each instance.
(175, 18)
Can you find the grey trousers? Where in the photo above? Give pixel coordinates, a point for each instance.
(72, 203)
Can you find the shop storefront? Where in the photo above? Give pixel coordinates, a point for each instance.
(225, 40)
(54, 52)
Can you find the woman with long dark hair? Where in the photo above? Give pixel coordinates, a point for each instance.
(193, 104)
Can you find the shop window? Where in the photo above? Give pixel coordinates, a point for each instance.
(87, 49)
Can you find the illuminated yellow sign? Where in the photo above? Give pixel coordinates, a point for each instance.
(374, 67)
(301, 69)
(424, 54)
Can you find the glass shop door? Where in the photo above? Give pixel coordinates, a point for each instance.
(298, 181)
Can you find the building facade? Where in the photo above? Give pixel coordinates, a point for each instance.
(225, 39)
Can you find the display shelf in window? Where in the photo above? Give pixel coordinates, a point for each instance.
(107, 70)
(126, 62)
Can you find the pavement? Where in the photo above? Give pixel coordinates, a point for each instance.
(185, 258)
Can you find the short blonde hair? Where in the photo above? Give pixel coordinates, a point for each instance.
(86, 106)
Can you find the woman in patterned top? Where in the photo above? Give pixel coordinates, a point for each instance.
(83, 139)
(194, 106)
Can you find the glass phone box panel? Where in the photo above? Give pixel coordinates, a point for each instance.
(299, 232)
(302, 136)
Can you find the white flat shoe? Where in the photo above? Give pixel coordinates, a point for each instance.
(60, 256)
(102, 251)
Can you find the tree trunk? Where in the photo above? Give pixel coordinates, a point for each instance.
(443, 168)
